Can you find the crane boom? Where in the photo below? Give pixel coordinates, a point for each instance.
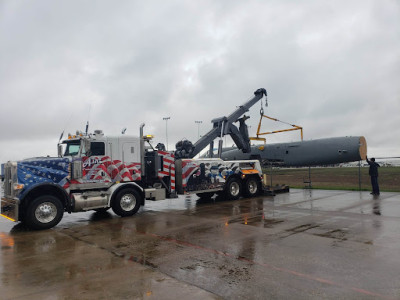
(223, 126)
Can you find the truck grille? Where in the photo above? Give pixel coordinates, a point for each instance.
(10, 177)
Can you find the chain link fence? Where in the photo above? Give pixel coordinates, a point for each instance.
(350, 176)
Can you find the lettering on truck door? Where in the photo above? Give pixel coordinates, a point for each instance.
(95, 166)
(99, 167)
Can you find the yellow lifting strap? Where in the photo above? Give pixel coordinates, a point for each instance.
(258, 138)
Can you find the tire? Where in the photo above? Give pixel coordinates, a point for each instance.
(44, 212)
(251, 187)
(233, 189)
(205, 195)
(126, 202)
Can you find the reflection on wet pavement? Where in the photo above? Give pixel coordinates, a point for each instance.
(304, 244)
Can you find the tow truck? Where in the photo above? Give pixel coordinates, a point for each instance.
(98, 172)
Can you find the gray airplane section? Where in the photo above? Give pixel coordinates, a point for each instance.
(305, 153)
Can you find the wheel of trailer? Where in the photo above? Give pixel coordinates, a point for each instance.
(233, 189)
(251, 187)
(44, 212)
(126, 202)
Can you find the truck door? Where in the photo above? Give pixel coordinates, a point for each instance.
(131, 160)
(130, 152)
(93, 163)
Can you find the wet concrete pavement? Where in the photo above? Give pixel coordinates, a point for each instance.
(306, 244)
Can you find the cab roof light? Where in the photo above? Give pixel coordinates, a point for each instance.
(148, 137)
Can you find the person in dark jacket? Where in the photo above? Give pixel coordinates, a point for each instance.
(373, 173)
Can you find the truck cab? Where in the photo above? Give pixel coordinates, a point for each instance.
(92, 172)
(125, 148)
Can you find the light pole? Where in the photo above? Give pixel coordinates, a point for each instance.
(166, 129)
(198, 127)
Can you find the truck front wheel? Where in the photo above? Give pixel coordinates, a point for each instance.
(233, 189)
(126, 202)
(44, 212)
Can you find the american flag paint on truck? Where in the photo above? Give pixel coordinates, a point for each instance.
(168, 167)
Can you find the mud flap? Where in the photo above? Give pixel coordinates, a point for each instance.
(9, 209)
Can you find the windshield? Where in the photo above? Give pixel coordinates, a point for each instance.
(72, 148)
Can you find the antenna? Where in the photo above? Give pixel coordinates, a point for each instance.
(87, 124)
(87, 128)
(62, 133)
(61, 136)
(123, 130)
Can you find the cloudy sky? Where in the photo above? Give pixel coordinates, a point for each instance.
(332, 67)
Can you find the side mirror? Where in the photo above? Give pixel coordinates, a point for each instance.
(86, 147)
(59, 150)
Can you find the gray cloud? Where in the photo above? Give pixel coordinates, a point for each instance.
(331, 68)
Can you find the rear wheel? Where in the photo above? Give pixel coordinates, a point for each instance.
(251, 187)
(126, 202)
(233, 189)
(44, 212)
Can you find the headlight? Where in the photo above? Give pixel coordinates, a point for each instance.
(18, 186)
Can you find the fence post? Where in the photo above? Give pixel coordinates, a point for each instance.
(270, 172)
(359, 175)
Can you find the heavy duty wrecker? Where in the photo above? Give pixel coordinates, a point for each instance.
(96, 172)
